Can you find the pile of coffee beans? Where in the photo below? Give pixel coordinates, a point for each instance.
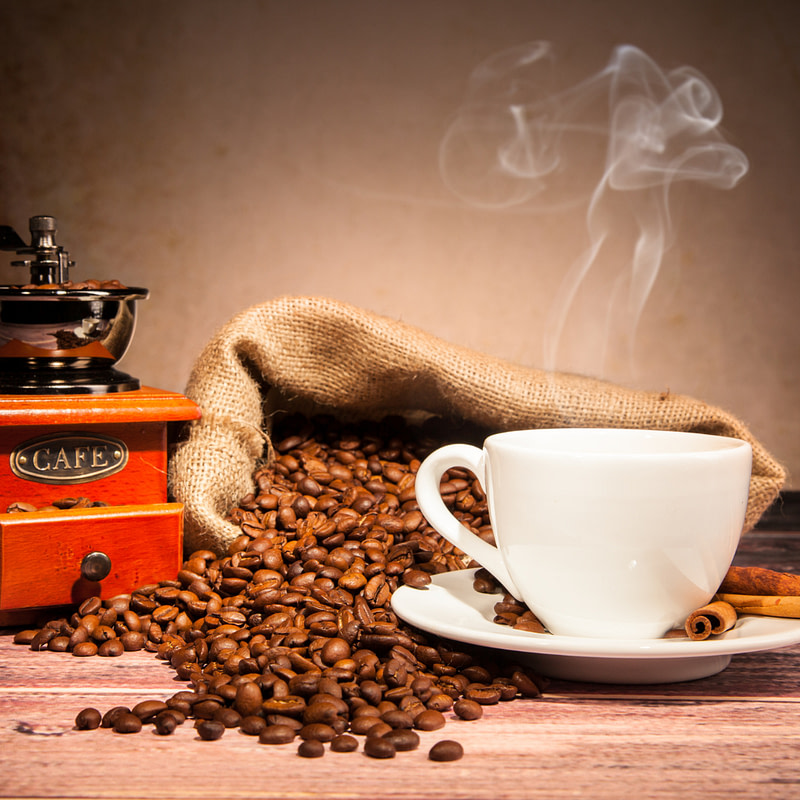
(290, 636)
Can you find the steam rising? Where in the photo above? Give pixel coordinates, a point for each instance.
(615, 143)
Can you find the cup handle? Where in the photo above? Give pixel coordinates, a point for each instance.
(436, 512)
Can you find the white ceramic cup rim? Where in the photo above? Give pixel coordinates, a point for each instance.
(617, 443)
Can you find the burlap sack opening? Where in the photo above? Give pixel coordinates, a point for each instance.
(353, 363)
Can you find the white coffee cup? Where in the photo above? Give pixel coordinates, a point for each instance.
(613, 533)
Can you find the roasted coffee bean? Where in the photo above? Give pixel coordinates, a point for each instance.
(229, 717)
(416, 578)
(322, 711)
(88, 719)
(26, 636)
(147, 710)
(429, 720)
(84, 649)
(379, 728)
(210, 729)
(484, 695)
(277, 734)
(248, 698)
(378, 747)
(440, 701)
(344, 743)
(362, 725)
(165, 724)
(403, 739)
(110, 648)
(127, 723)
(396, 718)
(467, 709)
(525, 684)
(319, 731)
(42, 637)
(111, 715)
(58, 644)
(311, 748)
(288, 706)
(252, 725)
(90, 606)
(446, 750)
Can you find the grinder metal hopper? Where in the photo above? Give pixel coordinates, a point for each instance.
(56, 335)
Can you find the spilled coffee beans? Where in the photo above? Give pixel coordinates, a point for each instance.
(290, 635)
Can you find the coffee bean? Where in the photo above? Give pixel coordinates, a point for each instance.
(319, 731)
(378, 747)
(311, 748)
(484, 695)
(42, 637)
(277, 734)
(88, 719)
(468, 709)
(110, 717)
(229, 717)
(403, 739)
(111, 648)
(323, 711)
(525, 684)
(396, 718)
(147, 710)
(429, 720)
(127, 723)
(58, 644)
(379, 729)
(132, 640)
(252, 725)
(416, 578)
(165, 724)
(344, 743)
(26, 636)
(335, 650)
(441, 701)
(90, 606)
(446, 750)
(362, 725)
(84, 649)
(177, 715)
(248, 698)
(210, 729)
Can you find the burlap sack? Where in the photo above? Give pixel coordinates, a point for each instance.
(361, 365)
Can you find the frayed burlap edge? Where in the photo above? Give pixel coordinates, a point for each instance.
(340, 358)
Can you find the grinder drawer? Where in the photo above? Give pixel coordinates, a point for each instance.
(54, 558)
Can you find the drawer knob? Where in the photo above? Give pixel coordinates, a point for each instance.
(95, 566)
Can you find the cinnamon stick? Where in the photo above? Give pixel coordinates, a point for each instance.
(757, 580)
(715, 617)
(765, 605)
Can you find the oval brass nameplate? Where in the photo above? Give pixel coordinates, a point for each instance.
(67, 458)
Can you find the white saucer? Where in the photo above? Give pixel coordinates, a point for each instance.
(449, 607)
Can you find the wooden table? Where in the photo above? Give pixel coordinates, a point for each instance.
(736, 734)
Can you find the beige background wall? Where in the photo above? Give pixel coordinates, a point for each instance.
(223, 153)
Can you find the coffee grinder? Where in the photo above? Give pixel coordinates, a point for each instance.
(75, 428)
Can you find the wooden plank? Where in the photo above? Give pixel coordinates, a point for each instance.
(143, 542)
(529, 749)
(735, 734)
